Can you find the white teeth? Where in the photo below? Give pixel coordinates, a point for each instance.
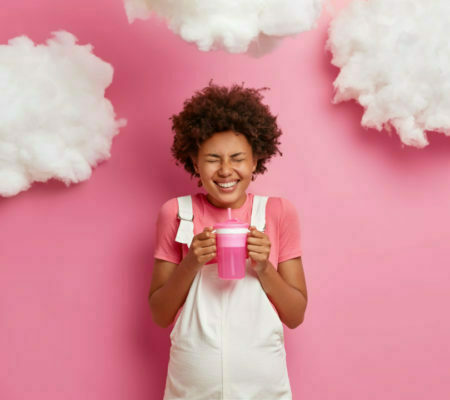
(227, 185)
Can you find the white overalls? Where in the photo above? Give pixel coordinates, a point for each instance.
(228, 341)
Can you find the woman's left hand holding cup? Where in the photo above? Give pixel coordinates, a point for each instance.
(258, 247)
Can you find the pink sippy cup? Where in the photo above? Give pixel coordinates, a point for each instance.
(231, 243)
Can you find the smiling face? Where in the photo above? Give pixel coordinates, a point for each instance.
(225, 164)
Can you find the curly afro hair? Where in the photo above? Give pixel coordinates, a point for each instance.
(218, 109)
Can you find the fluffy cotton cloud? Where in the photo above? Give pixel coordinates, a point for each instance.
(54, 119)
(395, 61)
(231, 24)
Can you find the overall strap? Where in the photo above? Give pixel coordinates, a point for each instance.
(185, 232)
(259, 212)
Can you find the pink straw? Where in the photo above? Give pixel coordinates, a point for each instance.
(229, 213)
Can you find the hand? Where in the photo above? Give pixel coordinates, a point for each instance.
(202, 250)
(258, 247)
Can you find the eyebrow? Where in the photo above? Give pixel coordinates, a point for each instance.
(233, 155)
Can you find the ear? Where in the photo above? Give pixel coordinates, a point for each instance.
(194, 162)
(255, 163)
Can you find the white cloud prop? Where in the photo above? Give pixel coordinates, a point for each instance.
(394, 58)
(231, 24)
(54, 119)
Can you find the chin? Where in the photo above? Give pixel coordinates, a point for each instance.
(227, 200)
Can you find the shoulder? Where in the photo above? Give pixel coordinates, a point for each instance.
(281, 207)
(169, 209)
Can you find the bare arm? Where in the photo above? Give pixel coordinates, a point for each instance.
(286, 288)
(171, 282)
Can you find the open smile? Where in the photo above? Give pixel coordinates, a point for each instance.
(227, 187)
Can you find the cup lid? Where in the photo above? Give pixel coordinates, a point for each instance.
(231, 223)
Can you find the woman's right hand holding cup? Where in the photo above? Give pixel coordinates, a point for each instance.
(202, 250)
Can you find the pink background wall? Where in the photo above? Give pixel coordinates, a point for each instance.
(75, 263)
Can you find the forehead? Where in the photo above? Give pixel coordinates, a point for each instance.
(225, 142)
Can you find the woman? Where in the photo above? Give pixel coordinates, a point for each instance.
(228, 340)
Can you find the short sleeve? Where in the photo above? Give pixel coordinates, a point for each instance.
(289, 232)
(166, 230)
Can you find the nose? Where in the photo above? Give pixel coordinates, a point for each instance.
(225, 168)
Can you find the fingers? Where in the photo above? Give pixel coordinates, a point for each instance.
(257, 249)
(206, 234)
(204, 254)
(203, 248)
(201, 251)
(204, 245)
(207, 245)
(255, 233)
(258, 241)
(258, 245)
(258, 238)
(258, 257)
(205, 242)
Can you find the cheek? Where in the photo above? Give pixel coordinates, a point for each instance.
(207, 171)
(246, 171)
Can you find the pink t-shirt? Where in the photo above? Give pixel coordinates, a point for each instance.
(282, 226)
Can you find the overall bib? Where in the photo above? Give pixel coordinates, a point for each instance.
(228, 342)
